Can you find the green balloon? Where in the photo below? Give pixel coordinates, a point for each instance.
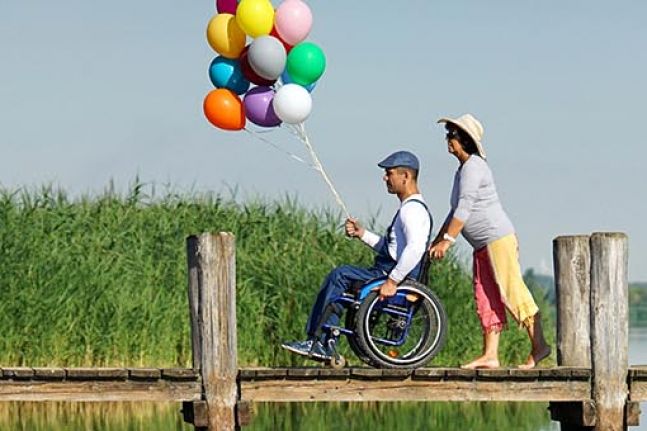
(306, 63)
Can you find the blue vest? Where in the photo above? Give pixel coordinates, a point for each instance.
(383, 260)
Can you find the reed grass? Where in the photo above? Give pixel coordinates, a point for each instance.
(286, 417)
(101, 280)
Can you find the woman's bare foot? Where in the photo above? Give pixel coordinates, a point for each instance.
(482, 362)
(535, 357)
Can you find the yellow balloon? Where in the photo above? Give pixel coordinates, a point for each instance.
(255, 17)
(225, 36)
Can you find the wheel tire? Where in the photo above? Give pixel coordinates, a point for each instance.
(432, 343)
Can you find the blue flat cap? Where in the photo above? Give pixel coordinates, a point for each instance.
(400, 159)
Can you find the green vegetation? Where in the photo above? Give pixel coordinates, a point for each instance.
(101, 281)
(285, 417)
(402, 416)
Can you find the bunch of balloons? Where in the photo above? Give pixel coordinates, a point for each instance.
(246, 75)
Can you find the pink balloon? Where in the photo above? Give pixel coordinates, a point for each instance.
(293, 21)
(227, 6)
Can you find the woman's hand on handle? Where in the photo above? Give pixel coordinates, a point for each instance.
(445, 238)
(439, 250)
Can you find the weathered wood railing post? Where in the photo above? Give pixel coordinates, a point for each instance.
(572, 265)
(592, 328)
(212, 301)
(609, 329)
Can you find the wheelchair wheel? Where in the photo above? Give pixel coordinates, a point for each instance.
(404, 331)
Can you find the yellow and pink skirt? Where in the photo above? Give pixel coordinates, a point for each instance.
(498, 285)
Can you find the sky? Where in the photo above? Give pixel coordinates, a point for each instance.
(93, 92)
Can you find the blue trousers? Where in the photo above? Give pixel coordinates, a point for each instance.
(336, 283)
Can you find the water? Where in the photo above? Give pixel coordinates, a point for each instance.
(638, 356)
(307, 416)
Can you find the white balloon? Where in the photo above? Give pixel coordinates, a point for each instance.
(292, 103)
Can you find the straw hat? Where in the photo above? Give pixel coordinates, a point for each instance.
(469, 125)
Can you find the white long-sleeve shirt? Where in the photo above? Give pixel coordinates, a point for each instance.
(408, 238)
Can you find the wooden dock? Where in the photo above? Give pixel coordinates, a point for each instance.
(592, 389)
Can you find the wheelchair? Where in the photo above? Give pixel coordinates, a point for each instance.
(406, 330)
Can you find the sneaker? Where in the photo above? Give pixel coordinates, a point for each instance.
(299, 347)
(320, 352)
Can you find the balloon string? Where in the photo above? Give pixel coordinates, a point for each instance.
(289, 154)
(318, 166)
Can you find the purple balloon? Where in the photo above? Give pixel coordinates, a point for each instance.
(258, 107)
(227, 6)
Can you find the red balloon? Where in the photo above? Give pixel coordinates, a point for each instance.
(249, 73)
(224, 109)
(227, 6)
(276, 35)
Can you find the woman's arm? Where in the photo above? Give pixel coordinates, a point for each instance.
(452, 230)
(470, 178)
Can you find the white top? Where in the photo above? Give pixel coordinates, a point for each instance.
(408, 239)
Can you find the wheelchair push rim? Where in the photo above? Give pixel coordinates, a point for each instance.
(400, 331)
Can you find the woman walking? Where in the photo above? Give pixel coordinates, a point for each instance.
(476, 212)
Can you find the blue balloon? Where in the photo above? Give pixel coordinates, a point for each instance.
(285, 77)
(226, 73)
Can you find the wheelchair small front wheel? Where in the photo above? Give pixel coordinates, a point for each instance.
(404, 331)
(337, 362)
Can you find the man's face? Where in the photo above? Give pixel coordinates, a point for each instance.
(395, 180)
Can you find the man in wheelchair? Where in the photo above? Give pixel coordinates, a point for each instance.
(399, 254)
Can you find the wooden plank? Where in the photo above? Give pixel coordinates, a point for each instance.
(49, 374)
(493, 374)
(572, 262)
(366, 373)
(271, 373)
(638, 390)
(96, 373)
(329, 373)
(559, 373)
(361, 389)
(638, 373)
(303, 373)
(396, 374)
(246, 374)
(527, 375)
(183, 374)
(144, 373)
(460, 374)
(18, 373)
(609, 328)
(99, 391)
(580, 373)
(429, 374)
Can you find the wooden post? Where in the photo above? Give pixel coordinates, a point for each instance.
(609, 328)
(212, 300)
(572, 266)
(571, 259)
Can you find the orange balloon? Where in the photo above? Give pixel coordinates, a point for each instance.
(224, 109)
